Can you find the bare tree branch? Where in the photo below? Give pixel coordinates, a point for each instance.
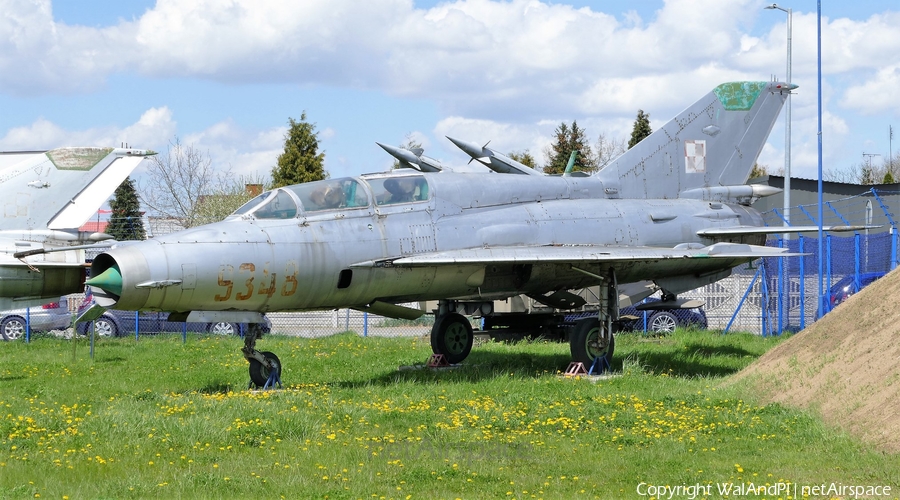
(178, 180)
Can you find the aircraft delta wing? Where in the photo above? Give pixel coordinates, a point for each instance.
(46, 196)
(465, 239)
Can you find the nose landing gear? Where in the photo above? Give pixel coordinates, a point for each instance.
(265, 367)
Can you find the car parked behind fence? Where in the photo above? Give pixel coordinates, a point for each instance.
(657, 321)
(52, 316)
(115, 323)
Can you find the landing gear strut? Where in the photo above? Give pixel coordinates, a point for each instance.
(592, 342)
(265, 367)
(452, 334)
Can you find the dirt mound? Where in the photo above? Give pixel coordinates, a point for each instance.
(845, 366)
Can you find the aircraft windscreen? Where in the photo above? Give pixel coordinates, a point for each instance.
(390, 190)
(330, 194)
(250, 205)
(280, 206)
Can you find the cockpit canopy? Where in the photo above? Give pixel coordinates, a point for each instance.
(330, 194)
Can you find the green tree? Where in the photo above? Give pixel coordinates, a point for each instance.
(641, 128)
(569, 139)
(759, 171)
(301, 160)
(125, 223)
(524, 157)
(410, 144)
(226, 197)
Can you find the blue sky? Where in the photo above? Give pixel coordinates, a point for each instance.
(225, 76)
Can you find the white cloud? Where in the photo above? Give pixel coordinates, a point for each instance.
(151, 129)
(499, 68)
(877, 94)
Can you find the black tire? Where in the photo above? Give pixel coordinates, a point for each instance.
(588, 343)
(223, 328)
(104, 327)
(259, 374)
(12, 328)
(662, 323)
(452, 336)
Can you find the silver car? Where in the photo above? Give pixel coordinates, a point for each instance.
(52, 316)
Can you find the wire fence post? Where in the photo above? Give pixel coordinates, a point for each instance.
(779, 286)
(800, 241)
(826, 299)
(857, 256)
(893, 248)
(764, 303)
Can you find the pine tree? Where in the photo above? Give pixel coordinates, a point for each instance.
(125, 223)
(301, 160)
(569, 139)
(524, 157)
(641, 128)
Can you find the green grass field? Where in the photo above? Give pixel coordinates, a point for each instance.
(158, 418)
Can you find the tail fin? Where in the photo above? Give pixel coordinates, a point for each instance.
(714, 142)
(61, 188)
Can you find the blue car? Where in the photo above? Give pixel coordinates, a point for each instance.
(115, 323)
(846, 286)
(657, 321)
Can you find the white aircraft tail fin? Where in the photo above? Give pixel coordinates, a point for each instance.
(715, 142)
(61, 188)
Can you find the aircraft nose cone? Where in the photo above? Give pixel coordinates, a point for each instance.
(109, 281)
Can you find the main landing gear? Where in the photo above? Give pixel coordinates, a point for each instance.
(591, 342)
(265, 367)
(451, 335)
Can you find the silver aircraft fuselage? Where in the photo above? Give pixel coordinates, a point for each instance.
(344, 257)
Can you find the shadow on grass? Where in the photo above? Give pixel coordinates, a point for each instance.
(480, 366)
(217, 388)
(692, 360)
(111, 359)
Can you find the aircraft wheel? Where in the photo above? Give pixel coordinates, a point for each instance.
(452, 336)
(589, 341)
(259, 374)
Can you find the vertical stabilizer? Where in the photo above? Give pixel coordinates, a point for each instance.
(714, 142)
(61, 188)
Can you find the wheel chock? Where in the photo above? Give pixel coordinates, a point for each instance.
(438, 361)
(575, 369)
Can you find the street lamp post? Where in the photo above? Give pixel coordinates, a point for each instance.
(787, 123)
